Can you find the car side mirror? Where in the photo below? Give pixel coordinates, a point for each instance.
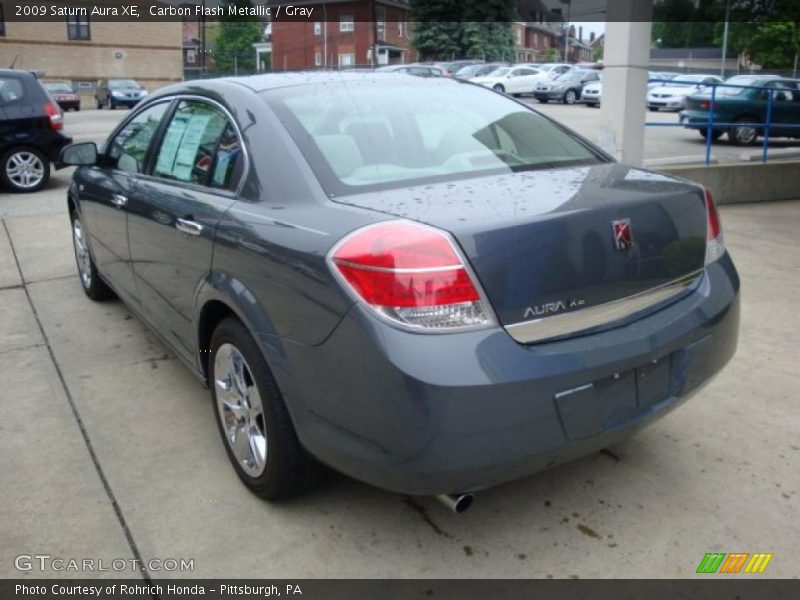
(82, 154)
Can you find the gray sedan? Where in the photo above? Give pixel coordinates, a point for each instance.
(423, 284)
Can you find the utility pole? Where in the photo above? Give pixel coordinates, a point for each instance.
(203, 38)
(725, 36)
(566, 29)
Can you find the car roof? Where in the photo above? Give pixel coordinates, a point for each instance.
(17, 73)
(270, 81)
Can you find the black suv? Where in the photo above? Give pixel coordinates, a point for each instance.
(112, 93)
(31, 135)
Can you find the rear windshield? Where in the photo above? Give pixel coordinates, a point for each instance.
(361, 136)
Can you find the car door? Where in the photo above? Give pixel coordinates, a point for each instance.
(192, 180)
(785, 108)
(105, 190)
(514, 81)
(526, 80)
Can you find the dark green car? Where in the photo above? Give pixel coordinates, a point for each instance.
(740, 110)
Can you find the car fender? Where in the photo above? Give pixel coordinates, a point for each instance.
(223, 288)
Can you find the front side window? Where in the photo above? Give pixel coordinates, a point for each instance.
(362, 137)
(201, 147)
(78, 28)
(128, 148)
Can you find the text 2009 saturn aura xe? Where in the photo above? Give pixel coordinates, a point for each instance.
(423, 284)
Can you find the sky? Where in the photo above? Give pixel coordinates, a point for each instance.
(598, 27)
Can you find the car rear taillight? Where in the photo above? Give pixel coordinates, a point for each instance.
(54, 114)
(707, 105)
(412, 275)
(715, 244)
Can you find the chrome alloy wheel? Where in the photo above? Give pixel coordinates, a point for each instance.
(82, 255)
(746, 134)
(25, 169)
(240, 410)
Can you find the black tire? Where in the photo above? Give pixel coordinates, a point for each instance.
(289, 469)
(99, 104)
(744, 135)
(570, 97)
(20, 164)
(715, 134)
(499, 88)
(93, 286)
(543, 100)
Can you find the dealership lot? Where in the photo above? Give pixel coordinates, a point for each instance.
(720, 474)
(661, 143)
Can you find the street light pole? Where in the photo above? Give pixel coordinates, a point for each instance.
(725, 36)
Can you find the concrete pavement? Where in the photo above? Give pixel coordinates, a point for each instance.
(110, 450)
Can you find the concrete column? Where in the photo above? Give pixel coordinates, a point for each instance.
(626, 59)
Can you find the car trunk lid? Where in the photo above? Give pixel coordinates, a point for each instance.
(550, 243)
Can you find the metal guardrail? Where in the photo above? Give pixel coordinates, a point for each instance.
(711, 125)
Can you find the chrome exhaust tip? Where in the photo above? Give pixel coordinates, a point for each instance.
(458, 503)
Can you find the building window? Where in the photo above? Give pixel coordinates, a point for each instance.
(317, 28)
(380, 21)
(317, 59)
(519, 36)
(347, 60)
(346, 23)
(399, 29)
(191, 56)
(78, 28)
(2, 21)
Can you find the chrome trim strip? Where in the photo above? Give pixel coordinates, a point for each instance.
(584, 319)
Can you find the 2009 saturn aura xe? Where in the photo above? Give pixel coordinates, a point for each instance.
(421, 283)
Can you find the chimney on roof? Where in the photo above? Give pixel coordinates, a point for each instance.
(580, 34)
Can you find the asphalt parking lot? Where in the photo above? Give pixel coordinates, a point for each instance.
(110, 449)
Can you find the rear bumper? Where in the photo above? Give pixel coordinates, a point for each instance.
(454, 413)
(696, 119)
(53, 146)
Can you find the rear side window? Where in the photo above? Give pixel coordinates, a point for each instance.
(11, 90)
(201, 147)
(129, 147)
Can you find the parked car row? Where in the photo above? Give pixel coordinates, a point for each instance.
(665, 91)
(522, 78)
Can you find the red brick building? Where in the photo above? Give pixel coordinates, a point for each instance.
(344, 33)
(532, 40)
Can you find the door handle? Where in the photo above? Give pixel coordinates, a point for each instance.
(188, 227)
(119, 200)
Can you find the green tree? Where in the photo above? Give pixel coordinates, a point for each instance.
(464, 28)
(233, 47)
(772, 44)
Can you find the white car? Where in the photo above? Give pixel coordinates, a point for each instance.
(512, 80)
(592, 93)
(554, 70)
(670, 96)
